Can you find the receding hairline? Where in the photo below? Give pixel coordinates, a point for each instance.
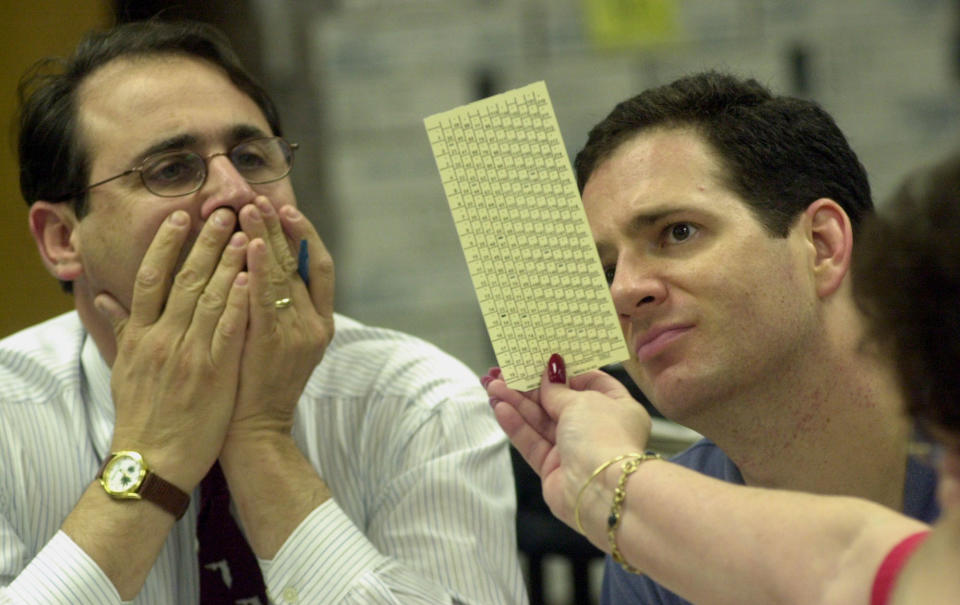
(152, 56)
(88, 86)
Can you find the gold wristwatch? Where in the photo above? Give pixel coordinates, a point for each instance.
(126, 476)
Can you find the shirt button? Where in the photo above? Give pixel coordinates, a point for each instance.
(290, 595)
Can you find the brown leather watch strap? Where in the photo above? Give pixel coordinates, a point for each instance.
(164, 494)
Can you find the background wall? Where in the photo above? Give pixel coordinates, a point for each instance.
(355, 78)
(886, 69)
(29, 31)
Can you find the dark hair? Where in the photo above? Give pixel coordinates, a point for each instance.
(778, 153)
(53, 163)
(906, 280)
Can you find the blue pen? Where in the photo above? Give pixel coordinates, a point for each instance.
(303, 263)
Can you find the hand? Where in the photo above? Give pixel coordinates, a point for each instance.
(283, 345)
(176, 373)
(565, 432)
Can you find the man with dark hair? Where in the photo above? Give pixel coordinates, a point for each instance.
(714, 542)
(157, 179)
(725, 217)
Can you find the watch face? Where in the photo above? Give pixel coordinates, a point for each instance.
(123, 475)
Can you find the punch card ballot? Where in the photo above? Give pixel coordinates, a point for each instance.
(525, 236)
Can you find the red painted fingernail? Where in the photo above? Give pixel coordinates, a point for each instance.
(556, 369)
(495, 372)
(485, 380)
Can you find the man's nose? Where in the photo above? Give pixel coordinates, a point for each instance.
(225, 186)
(636, 287)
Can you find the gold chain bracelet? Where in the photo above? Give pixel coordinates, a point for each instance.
(600, 469)
(619, 494)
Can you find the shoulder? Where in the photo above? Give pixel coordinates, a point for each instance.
(40, 408)
(36, 362)
(704, 456)
(920, 492)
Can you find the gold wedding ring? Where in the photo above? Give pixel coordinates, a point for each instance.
(282, 303)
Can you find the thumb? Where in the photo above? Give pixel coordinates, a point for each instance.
(110, 307)
(553, 386)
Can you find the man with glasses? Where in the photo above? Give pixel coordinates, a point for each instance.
(178, 172)
(156, 175)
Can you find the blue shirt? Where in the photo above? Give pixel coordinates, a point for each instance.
(620, 587)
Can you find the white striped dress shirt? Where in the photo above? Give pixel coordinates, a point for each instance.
(423, 500)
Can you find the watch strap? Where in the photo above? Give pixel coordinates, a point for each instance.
(164, 494)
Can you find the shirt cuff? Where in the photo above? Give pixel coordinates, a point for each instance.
(320, 560)
(62, 572)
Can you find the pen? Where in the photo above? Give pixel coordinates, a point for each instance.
(303, 263)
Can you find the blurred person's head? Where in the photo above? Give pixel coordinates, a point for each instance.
(907, 281)
(906, 278)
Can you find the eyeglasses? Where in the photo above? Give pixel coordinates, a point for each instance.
(177, 173)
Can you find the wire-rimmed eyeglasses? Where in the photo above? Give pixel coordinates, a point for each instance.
(182, 172)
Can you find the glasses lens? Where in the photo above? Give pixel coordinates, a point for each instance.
(262, 160)
(173, 174)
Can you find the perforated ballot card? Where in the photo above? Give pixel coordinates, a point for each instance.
(525, 235)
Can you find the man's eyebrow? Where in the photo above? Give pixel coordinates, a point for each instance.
(179, 141)
(655, 215)
(235, 134)
(242, 132)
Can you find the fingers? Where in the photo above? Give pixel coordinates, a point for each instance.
(156, 270)
(227, 344)
(201, 263)
(259, 221)
(525, 423)
(285, 230)
(492, 374)
(279, 244)
(263, 291)
(601, 382)
(556, 372)
(531, 445)
(320, 268)
(110, 308)
(525, 404)
(214, 301)
(554, 392)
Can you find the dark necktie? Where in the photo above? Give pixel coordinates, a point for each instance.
(229, 573)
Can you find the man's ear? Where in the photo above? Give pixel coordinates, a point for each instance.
(53, 226)
(829, 231)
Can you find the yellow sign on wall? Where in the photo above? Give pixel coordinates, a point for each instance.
(630, 23)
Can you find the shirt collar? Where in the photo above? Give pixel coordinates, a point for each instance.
(97, 397)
